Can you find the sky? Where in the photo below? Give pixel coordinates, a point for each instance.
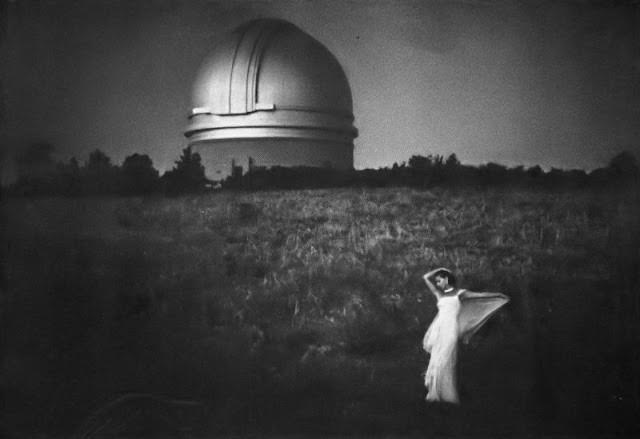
(554, 83)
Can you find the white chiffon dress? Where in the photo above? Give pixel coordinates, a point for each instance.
(459, 316)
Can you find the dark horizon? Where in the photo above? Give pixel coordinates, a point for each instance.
(83, 161)
(40, 176)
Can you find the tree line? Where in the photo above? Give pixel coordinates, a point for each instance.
(39, 175)
(436, 170)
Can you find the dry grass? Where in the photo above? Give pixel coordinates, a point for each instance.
(303, 310)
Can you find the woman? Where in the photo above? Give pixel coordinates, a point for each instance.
(460, 314)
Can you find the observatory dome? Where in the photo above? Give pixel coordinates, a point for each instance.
(272, 93)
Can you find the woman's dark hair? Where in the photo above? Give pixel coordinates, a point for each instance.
(447, 274)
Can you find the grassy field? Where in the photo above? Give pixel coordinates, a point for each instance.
(303, 312)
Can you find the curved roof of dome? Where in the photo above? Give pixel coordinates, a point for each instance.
(270, 65)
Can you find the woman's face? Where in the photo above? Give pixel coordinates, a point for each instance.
(442, 282)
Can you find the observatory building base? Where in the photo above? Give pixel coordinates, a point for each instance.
(217, 157)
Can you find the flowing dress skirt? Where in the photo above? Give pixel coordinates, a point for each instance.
(441, 340)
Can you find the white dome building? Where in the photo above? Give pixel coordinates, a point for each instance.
(273, 93)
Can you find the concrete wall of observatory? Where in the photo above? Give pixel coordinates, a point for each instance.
(217, 156)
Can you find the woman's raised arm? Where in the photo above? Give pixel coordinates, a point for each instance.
(427, 278)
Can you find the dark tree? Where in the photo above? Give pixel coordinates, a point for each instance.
(493, 173)
(535, 172)
(624, 166)
(621, 170)
(138, 175)
(452, 162)
(68, 178)
(419, 162)
(99, 162)
(99, 176)
(187, 175)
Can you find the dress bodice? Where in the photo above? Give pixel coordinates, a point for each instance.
(448, 301)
